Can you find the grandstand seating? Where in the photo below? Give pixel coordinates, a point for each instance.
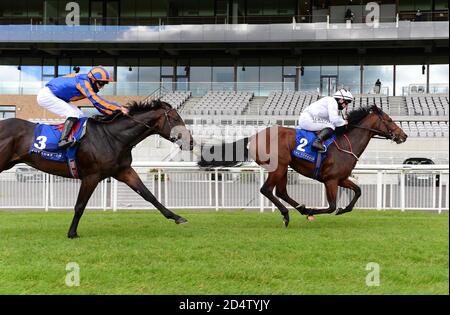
(367, 100)
(425, 128)
(288, 103)
(176, 98)
(222, 103)
(428, 129)
(427, 105)
(292, 103)
(217, 103)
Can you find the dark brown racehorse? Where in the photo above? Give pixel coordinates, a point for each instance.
(364, 124)
(104, 152)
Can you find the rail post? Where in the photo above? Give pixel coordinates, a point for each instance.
(159, 183)
(46, 191)
(379, 190)
(402, 190)
(216, 188)
(440, 193)
(114, 194)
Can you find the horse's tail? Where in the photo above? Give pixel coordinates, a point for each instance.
(224, 155)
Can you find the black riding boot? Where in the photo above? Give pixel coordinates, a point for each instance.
(323, 135)
(68, 125)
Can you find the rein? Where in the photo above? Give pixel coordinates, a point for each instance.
(172, 139)
(346, 151)
(138, 121)
(378, 135)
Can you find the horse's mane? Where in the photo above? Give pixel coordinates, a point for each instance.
(354, 117)
(133, 107)
(145, 105)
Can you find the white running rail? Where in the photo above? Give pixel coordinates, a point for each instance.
(181, 185)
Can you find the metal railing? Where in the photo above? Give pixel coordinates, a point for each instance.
(201, 88)
(183, 185)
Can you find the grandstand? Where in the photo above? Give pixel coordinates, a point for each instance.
(232, 68)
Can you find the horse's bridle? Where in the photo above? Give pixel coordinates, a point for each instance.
(379, 135)
(167, 120)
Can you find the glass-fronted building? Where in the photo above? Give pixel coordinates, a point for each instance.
(142, 76)
(335, 55)
(154, 12)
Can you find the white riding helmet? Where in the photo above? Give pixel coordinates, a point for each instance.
(343, 94)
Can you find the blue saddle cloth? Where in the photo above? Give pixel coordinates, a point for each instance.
(45, 142)
(303, 149)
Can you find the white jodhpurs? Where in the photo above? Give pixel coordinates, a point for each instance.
(308, 122)
(49, 101)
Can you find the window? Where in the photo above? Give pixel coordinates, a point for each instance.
(149, 76)
(439, 78)
(248, 75)
(441, 5)
(127, 12)
(310, 81)
(349, 78)
(410, 78)
(127, 77)
(200, 79)
(386, 76)
(7, 112)
(271, 75)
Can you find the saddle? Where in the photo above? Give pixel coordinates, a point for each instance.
(45, 143)
(303, 148)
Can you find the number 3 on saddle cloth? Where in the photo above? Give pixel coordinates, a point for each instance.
(45, 143)
(303, 149)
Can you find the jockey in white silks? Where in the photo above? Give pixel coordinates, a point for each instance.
(323, 115)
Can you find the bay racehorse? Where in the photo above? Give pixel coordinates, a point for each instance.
(104, 152)
(363, 124)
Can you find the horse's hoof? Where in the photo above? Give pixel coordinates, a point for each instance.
(310, 218)
(286, 222)
(340, 211)
(72, 236)
(181, 221)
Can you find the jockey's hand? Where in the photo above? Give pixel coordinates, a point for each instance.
(125, 110)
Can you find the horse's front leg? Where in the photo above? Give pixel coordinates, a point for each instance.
(347, 183)
(88, 186)
(131, 178)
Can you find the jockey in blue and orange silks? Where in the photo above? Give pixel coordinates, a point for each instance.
(57, 94)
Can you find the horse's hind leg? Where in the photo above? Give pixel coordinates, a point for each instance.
(267, 190)
(6, 156)
(281, 192)
(347, 183)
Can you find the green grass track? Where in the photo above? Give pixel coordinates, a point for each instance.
(226, 252)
